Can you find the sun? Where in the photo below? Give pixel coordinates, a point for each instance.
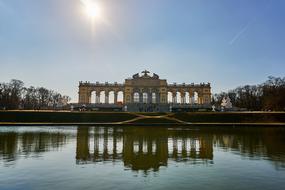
(91, 8)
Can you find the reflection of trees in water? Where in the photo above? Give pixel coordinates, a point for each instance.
(13, 144)
(142, 148)
(254, 143)
(8, 145)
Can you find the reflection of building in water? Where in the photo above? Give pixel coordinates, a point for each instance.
(143, 152)
(141, 148)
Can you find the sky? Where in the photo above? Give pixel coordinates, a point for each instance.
(53, 43)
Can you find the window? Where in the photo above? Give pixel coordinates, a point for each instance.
(136, 97)
(145, 97)
(153, 97)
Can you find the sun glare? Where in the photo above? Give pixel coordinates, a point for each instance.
(92, 9)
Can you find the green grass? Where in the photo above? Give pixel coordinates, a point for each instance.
(151, 113)
(154, 121)
(232, 117)
(108, 117)
(64, 117)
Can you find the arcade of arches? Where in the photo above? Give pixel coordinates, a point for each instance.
(144, 89)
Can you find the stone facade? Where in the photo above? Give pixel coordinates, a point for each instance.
(148, 90)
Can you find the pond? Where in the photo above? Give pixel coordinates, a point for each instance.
(82, 157)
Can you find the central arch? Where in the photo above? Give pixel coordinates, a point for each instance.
(153, 97)
(145, 97)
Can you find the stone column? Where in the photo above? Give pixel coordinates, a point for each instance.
(207, 99)
(174, 98)
(157, 96)
(191, 98)
(97, 99)
(89, 97)
(115, 97)
(106, 97)
(141, 98)
(183, 100)
(200, 99)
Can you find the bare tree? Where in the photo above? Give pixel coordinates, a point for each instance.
(14, 95)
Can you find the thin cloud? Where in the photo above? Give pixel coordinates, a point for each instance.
(247, 26)
(242, 31)
(239, 34)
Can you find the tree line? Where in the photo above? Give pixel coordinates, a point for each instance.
(269, 95)
(14, 95)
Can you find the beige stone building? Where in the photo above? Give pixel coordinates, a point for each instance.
(145, 89)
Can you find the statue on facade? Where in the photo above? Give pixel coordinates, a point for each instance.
(136, 76)
(145, 72)
(155, 76)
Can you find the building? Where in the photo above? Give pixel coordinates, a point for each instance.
(146, 93)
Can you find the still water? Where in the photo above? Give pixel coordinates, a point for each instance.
(142, 158)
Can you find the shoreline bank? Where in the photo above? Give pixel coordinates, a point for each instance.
(29, 118)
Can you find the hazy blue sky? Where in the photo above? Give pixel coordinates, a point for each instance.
(52, 43)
